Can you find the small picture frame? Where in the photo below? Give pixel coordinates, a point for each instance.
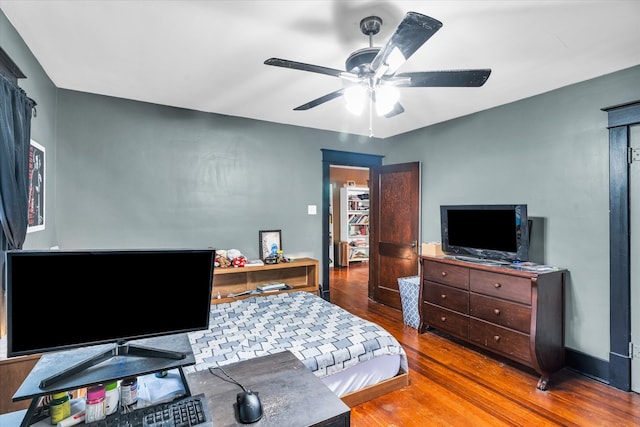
(351, 183)
(36, 209)
(269, 243)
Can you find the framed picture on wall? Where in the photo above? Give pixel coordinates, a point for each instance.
(35, 214)
(270, 242)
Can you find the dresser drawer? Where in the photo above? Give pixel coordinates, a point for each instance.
(512, 344)
(501, 312)
(446, 296)
(446, 320)
(501, 286)
(448, 274)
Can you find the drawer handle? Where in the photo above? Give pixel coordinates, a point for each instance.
(496, 311)
(443, 319)
(443, 296)
(444, 273)
(497, 285)
(496, 338)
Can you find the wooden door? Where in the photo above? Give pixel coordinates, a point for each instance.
(394, 222)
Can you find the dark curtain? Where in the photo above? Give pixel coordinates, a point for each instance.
(15, 136)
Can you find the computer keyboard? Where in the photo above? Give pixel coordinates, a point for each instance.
(182, 412)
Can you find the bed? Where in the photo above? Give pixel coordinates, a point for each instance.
(357, 359)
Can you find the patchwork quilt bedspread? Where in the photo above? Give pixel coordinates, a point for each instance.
(325, 337)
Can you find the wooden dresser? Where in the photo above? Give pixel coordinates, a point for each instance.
(513, 313)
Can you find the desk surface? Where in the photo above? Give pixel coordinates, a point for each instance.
(291, 395)
(115, 368)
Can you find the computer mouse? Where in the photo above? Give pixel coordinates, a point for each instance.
(249, 407)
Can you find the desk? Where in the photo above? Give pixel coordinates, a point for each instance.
(291, 395)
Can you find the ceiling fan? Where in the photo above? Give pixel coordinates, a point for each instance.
(372, 70)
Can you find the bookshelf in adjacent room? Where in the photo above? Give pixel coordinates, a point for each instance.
(354, 222)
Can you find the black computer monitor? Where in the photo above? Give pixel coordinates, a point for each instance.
(59, 300)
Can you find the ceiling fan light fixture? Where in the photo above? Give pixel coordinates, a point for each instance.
(385, 98)
(369, 78)
(355, 97)
(395, 60)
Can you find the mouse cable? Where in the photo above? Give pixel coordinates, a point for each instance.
(230, 378)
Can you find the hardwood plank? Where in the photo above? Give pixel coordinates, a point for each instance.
(453, 383)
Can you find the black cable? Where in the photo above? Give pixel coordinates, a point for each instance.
(230, 378)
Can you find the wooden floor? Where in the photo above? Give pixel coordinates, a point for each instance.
(453, 384)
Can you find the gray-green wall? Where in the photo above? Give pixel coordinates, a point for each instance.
(132, 174)
(128, 174)
(551, 152)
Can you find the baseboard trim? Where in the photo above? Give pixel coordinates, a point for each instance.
(590, 366)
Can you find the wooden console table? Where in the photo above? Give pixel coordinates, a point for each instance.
(13, 371)
(290, 393)
(301, 274)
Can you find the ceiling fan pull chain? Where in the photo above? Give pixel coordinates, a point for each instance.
(370, 117)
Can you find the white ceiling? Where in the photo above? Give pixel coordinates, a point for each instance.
(209, 55)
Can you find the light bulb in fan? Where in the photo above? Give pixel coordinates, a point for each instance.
(385, 98)
(356, 98)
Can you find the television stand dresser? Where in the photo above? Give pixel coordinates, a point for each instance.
(513, 313)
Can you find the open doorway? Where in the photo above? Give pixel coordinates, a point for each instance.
(331, 158)
(349, 228)
(348, 216)
(392, 252)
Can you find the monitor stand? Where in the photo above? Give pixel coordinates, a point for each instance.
(119, 349)
(76, 366)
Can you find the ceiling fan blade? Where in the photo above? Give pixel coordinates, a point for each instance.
(414, 30)
(397, 109)
(284, 63)
(450, 78)
(321, 100)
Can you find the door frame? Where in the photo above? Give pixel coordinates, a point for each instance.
(620, 118)
(337, 158)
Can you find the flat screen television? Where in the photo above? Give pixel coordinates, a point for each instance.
(59, 300)
(486, 232)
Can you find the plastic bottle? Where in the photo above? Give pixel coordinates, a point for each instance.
(111, 397)
(94, 406)
(60, 407)
(129, 392)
